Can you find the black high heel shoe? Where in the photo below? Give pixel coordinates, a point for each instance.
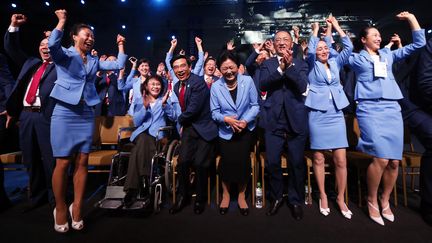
(223, 211)
(243, 211)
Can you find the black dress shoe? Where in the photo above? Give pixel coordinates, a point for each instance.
(274, 207)
(223, 211)
(243, 211)
(297, 212)
(199, 207)
(179, 205)
(130, 198)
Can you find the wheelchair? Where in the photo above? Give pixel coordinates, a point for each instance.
(159, 181)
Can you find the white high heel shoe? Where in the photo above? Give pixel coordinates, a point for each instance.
(377, 220)
(389, 217)
(323, 211)
(347, 214)
(76, 225)
(61, 228)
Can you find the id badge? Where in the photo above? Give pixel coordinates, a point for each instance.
(380, 69)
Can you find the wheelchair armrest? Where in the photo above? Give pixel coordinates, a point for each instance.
(166, 128)
(122, 130)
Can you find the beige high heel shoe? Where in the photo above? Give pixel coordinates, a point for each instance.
(377, 220)
(61, 228)
(76, 225)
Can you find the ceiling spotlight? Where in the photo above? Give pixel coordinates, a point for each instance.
(91, 27)
(429, 31)
(148, 37)
(82, 2)
(173, 37)
(13, 5)
(47, 4)
(122, 1)
(123, 26)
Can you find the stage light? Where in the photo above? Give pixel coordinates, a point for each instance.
(91, 27)
(123, 26)
(173, 37)
(82, 2)
(122, 1)
(13, 5)
(334, 33)
(429, 31)
(148, 38)
(47, 4)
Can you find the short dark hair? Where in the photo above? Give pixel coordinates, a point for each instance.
(225, 55)
(177, 57)
(76, 28)
(158, 78)
(143, 60)
(209, 59)
(358, 45)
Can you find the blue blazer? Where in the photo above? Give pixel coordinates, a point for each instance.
(148, 119)
(28, 65)
(76, 81)
(245, 108)
(370, 87)
(117, 102)
(284, 90)
(135, 85)
(320, 87)
(197, 112)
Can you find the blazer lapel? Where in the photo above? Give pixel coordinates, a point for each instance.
(226, 94)
(240, 90)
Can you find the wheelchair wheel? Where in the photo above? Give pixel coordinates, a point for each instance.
(169, 168)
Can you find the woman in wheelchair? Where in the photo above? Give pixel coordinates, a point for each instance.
(148, 117)
(234, 106)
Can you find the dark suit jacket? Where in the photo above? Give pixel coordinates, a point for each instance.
(284, 91)
(28, 66)
(6, 82)
(117, 102)
(197, 112)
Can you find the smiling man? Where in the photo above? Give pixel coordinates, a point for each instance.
(30, 102)
(198, 133)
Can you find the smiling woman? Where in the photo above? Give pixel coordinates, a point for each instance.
(76, 95)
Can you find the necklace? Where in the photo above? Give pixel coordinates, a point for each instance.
(232, 86)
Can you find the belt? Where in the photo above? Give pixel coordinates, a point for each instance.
(32, 108)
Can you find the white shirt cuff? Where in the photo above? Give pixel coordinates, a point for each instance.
(280, 70)
(13, 29)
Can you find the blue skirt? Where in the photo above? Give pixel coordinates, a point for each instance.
(327, 129)
(71, 129)
(381, 128)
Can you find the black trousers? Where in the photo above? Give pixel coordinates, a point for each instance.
(275, 144)
(140, 160)
(198, 153)
(420, 124)
(37, 155)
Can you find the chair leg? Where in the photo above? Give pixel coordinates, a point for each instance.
(395, 195)
(253, 181)
(263, 183)
(217, 189)
(412, 178)
(404, 187)
(359, 187)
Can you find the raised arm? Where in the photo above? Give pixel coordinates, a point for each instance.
(344, 55)
(12, 43)
(54, 42)
(417, 33)
(200, 63)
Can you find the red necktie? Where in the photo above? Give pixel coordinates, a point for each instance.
(31, 95)
(108, 80)
(181, 95)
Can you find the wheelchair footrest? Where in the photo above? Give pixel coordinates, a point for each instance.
(114, 192)
(110, 203)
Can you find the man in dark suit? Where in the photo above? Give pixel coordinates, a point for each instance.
(414, 76)
(6, 83)
(285, 120)
(113, 100)
(197, 135)
(30, 101)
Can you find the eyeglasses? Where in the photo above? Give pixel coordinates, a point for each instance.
(182, 66)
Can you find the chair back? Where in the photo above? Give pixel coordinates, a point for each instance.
(110, 127)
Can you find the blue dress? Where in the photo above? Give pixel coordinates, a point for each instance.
(378, 112)
(72, 122)
(326, 98)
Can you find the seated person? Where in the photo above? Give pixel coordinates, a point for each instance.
(148, 116)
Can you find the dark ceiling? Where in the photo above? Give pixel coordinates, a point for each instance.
(215, 21)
